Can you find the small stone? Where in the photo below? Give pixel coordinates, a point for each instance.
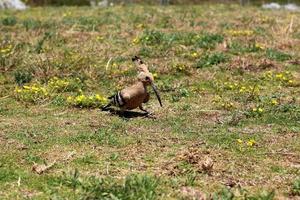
(192, 193)
(207, 165)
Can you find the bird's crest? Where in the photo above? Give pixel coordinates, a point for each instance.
(141, 66)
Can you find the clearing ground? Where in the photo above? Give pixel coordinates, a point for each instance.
(230, 83)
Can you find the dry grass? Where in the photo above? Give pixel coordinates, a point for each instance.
(229, 79)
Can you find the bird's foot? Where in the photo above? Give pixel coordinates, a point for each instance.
(149, 115)
(144, 110)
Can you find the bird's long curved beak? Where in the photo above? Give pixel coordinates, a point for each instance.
(156, 93)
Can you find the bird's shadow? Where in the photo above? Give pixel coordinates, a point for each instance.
(127, 114)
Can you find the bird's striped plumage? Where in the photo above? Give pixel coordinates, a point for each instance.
(117, 100)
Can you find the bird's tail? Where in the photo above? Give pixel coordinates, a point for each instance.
(109, 104)
(111, 97)
(106, 107)
(115, 100)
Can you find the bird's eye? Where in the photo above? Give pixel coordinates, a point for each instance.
(147, 78)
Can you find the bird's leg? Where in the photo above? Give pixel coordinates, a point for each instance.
(148, 114)
(142, 109)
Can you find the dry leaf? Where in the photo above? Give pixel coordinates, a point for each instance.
(192, 193)
(39, 169)
(207, 165)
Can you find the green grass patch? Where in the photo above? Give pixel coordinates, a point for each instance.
(274, 54)
(212, 59)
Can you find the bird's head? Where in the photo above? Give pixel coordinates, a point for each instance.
(145, 76)
(147, 79)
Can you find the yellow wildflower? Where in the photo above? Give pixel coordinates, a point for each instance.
(240, 32)
(67, 14)
(269, 74)
(194, 55)
(98, 97)
(259, 46)
(34, 88)
(80, 98)
(274, 102)
(135, 41)
(260, 110)
(239, 141)
(140, 26)
(251, 143)
(243, 89)
(69, 99)
(99, 38)
(17, 90)
(279, 76)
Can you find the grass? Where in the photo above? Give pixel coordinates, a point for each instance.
(229, 80)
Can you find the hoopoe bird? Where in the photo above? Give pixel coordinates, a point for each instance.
(135, 95)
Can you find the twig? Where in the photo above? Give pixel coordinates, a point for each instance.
(281, 153)
(5, 97)
(19, 181)
(70, 155)
(289, 30)
(107, 171)
(209, 110)
(39, 169)
(107, 65)
(61, 113)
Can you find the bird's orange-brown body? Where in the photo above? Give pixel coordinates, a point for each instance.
(134, 96)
